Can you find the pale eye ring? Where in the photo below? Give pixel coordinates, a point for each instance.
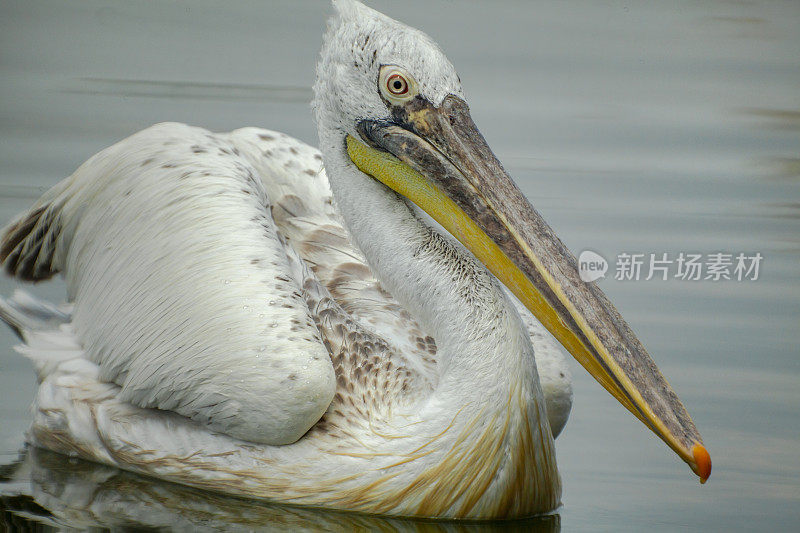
(396, 84)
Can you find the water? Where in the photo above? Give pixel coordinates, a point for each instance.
(664, 127)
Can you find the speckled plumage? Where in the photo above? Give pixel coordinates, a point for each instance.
(214, 277)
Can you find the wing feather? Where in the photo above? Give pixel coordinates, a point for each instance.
(188, 256)
(181, 283)
(305, 214)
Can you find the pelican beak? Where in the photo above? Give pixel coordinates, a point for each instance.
(437, 158)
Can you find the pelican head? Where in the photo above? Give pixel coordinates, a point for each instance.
(391, 104)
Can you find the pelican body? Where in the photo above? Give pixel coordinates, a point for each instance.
(373, 326)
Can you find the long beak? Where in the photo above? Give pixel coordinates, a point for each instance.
(437, 158)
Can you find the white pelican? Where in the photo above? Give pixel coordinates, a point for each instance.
(241, 320)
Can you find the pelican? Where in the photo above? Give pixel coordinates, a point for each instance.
(380, 335)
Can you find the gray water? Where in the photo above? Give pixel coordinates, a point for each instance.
(658, 127)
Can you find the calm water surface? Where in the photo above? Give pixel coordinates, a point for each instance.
(646, 128)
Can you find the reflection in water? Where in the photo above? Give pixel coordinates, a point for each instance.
(78, 494)
(784, 119)
(24, 192)
(787, 167)
(190, 90)
(785, 209)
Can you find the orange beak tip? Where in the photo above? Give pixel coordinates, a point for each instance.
(702, 461)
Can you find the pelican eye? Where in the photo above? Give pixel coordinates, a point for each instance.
(395, 84)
